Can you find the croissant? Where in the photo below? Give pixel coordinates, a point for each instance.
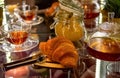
(61, 50)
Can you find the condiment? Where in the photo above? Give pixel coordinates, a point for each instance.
(69, 21)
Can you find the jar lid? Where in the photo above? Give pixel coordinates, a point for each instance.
(73, 6)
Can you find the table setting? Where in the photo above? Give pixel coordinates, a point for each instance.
(56, 42)
(18, 50)
(22, 50)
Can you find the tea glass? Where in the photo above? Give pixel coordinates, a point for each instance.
(91, 13)
(15, 34)
(27, 13)
(10, 9)
(104, 42)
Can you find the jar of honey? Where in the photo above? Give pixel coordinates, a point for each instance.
(69, 20)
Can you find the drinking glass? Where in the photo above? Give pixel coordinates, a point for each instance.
(104, 43)
(10, 10)
(27, 13)
(113, 70)
(91, 12)
(16, 34)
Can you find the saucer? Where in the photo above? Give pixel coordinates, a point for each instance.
(28, 45)
(36, 21)
(47, 63)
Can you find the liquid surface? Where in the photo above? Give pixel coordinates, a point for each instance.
(17, 37)
(104, 48)
(28, 16)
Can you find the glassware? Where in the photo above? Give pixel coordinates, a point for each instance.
(104, 43)
(27, 13)
(91, 12)
(113, 70)
(16, 34)
(10, 11)
(10, 8)
(69, 21)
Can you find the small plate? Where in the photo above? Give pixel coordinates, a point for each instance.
(38, 20)
(49, 64)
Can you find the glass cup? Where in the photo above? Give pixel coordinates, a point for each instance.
(104, 42)
(113, 70)
(91, 13)
(10, 9)
(27, 13)
(15, 34)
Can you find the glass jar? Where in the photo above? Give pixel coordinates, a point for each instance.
(69, 20)
(91, 12)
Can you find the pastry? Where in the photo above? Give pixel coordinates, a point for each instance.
(61, 50)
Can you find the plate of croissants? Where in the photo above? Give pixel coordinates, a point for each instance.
(60, 53)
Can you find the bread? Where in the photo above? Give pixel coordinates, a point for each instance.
(61, 50)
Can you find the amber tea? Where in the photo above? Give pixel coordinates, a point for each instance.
(28, 16)
(104, 48)
(17, 37)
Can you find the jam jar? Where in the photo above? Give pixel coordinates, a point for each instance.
(69, 20)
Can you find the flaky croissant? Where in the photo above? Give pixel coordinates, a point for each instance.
(61, 50)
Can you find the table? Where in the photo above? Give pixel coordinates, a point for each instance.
(43, 33)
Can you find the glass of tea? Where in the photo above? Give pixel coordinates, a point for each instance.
(104, 43)
(10, 9)
(16, 34)
(91, 12)
(27, 13)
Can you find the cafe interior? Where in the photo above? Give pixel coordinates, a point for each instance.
(59, 38)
